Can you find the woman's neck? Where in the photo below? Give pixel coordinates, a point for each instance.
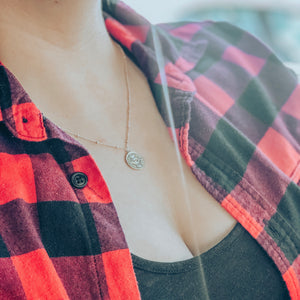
(56, 31)
(62, 24)
(56, 47)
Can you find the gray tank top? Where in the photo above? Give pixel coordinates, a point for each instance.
(236, 268)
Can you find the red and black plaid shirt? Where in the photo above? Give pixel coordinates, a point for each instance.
(237, 120)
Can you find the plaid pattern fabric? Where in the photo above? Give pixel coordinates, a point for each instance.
(237, 123)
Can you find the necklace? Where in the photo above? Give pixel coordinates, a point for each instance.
(132, 158)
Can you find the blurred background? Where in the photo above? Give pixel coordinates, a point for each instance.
(277, 24)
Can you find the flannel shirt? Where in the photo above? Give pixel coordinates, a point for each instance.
(237, 123)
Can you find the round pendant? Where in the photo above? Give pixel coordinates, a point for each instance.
(134, 160)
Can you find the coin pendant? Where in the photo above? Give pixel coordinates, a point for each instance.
(134, 160)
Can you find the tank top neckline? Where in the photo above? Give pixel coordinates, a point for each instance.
(191, 263)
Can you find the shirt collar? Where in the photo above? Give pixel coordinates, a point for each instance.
(132, 31)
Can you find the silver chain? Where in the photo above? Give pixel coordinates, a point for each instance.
(125, 147)
(133, 160)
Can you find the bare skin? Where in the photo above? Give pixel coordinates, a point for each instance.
(65, 66)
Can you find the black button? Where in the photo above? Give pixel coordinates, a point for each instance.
(79, 180)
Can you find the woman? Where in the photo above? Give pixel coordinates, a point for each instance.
(69, 233)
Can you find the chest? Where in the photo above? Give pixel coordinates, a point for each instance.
(165, 213)
(164, 218)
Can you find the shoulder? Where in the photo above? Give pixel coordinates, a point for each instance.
(218, 33)
(203, 45)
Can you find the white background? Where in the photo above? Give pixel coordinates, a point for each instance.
(158, 11)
